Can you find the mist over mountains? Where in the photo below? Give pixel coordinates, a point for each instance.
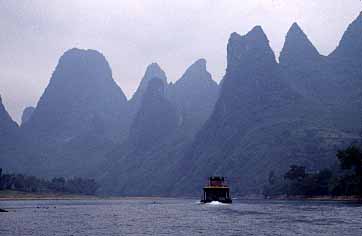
(169, 137)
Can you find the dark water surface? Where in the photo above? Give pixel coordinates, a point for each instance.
(179, 217)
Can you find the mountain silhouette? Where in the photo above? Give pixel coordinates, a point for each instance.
(81, 113)
(260, 123)
(169, 137)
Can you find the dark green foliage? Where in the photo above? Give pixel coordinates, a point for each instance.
(297, 182)
(295, 173)
(345, 181)
(351, 158)
(350, 183)
(276, 186)
(272, 178)
(81, 186)
(33, 184)
(58, 184)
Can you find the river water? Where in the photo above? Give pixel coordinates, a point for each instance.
(179, 217)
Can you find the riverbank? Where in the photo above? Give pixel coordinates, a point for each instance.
(317, 198)
(6, 195)
(9, 195)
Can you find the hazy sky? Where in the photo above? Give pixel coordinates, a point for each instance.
(132, 34)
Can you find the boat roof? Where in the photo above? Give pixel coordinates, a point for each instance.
(208, 187)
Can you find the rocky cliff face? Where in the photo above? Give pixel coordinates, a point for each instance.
(194, 95)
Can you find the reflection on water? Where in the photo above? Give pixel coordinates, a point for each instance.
(179, 217)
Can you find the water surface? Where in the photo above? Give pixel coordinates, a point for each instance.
(179, 217)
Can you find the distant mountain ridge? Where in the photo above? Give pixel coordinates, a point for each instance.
(161, 128)
(165, 140)
(81, 114)
(272, 115)
(80, 93)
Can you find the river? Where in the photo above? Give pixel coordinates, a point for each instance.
(179, 217)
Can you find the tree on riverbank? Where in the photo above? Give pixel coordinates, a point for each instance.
(351, 163)
(345, 180)
(19, 182)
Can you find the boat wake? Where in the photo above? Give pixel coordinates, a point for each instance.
(216, 203)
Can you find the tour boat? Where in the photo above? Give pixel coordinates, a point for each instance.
(216, 190)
